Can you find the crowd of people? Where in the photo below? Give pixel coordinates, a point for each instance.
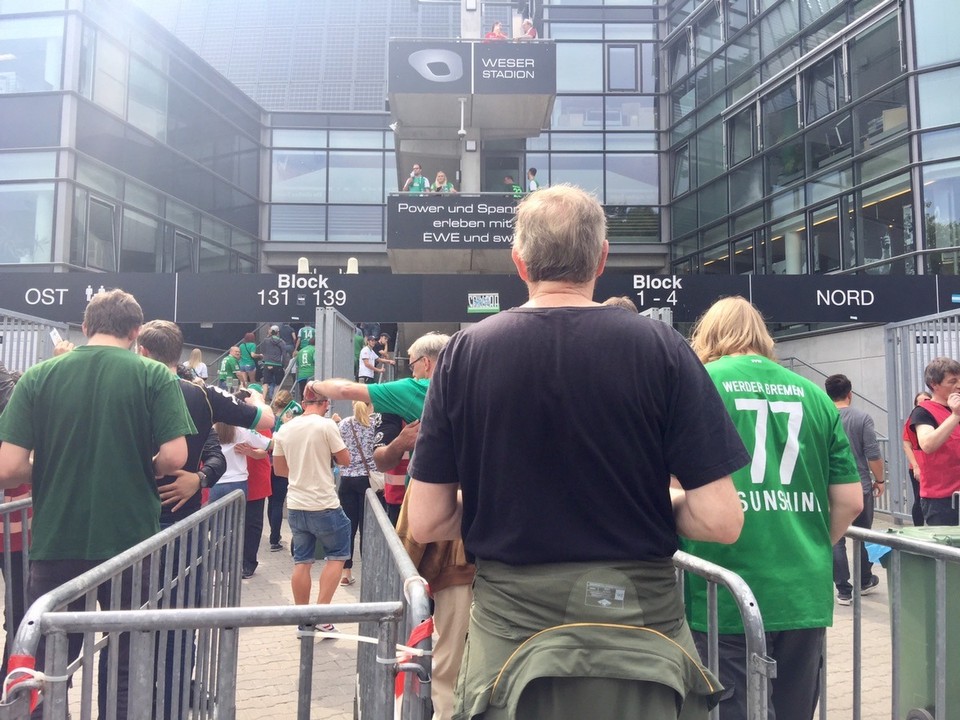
(541, 501)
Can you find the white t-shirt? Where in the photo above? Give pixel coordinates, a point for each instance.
(237, 463)
(201, 371)
(368, 354)
(308, 443)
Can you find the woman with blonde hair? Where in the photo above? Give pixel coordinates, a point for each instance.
(732, 326)
(800, 456)
(357, 433)
(196, 364)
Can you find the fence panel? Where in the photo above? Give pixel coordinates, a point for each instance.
(760, 668)
(196, 561)
(334, 358)
(388, 573)
(25, 340)
(910, 346)
(926, 595)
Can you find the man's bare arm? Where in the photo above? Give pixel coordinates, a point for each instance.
(15, 465)
(171, 456)
(342, 457)
(878, 468)
(711, 512)
(434, 511)
(931, 438)
(846, 502)
(280, 466)
(389, 455)
(340, 389)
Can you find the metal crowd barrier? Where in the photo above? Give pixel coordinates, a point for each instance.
(388, 573)
(194, 563)
(945, 561)
(760, 668)
(15, 565)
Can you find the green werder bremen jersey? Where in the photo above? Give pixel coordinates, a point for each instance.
(798, 448)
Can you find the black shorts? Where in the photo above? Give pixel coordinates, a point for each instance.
(272, 374)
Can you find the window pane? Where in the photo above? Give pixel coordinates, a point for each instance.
(821, 84)
(743, 256)
(742, 54)
(32, 50)
(648, 53)
(300, 138)
(890, 161)
(829, 185)
(937, 25)
(875, 58)
(632, 224)
(576, 31)
(138, 243)
(707, 34)
(633, 113)
(298, 223)
(826, 239)
(622, 69)
(684, 216)
(741, 129)
(356, 138)
(26, 233)
(28, 166)
(785, 165)
(632, 179)
(942, 215)
(356, 224)
(786, 251)
(356, 177)
(148, 100)
(576, 141)
(884, 210)
(779, 25)
(584, 170)
(630, 31)
(830, 141)
(746, 185)
(681, 171)
(779, 114)
(101, 236)
(940, 145)
(299, 176)
(713, 202)
(185, 253)
(679, 58)
(214, 258)
(631, 141)
(579, 67)
(574, 113)
(709, 153)
(110, 75)
(937, 97)
(882, 117)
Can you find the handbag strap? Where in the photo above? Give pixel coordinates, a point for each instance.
(353, 429)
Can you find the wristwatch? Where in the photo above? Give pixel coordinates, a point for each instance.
(203, 479)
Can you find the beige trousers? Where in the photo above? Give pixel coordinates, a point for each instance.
(451, 618)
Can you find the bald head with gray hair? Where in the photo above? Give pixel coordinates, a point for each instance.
(560, 233)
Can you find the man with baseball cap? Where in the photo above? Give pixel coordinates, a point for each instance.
(273, 351)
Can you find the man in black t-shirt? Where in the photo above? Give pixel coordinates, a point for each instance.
(562, 464)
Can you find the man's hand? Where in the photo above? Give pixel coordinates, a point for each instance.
(186, 485)
(953, 402)
(408, 436)
(250, 451)
(63, 347)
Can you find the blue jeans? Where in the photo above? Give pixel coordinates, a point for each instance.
(218, 491)
(330, 527)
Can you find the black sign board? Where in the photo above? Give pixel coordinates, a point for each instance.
(62, 297)
(441, 66)
(462, 222)
(515, 69)
(223, 298)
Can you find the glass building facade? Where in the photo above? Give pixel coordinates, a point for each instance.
(742, 136)
(810, 136)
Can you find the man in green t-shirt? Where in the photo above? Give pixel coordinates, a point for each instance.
(229, 366)
(306, 364)
(799, 495)
(102, 423)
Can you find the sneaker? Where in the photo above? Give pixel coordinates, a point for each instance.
(870, 586)
(327, 628)
(844, 598)
(276, 547)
